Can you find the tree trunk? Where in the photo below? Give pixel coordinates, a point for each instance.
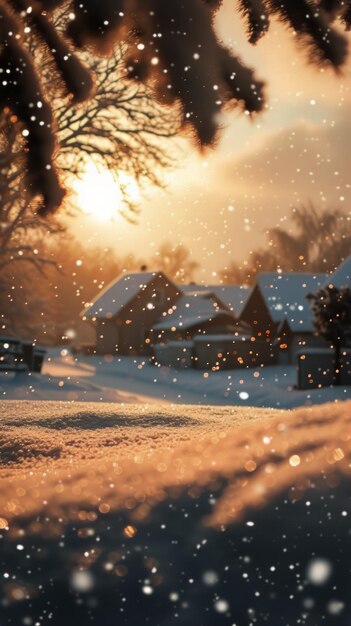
(337, 364)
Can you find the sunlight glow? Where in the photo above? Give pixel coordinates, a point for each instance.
(99, 195)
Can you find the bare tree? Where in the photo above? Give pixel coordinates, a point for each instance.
(175, 262)
(317, 240)
(314, 241)
(122, 129)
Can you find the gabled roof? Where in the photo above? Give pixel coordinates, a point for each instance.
(111, 300)
(232, 297)
(190, 310)
(285, 297)
(341, 276)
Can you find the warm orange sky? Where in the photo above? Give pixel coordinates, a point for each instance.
(220, 205)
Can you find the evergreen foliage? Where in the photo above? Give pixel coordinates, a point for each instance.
(332, 319)
(171, 44)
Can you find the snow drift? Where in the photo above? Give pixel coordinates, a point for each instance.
(174, 514)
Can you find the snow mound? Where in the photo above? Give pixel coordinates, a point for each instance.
(174, 515)
(93, 420)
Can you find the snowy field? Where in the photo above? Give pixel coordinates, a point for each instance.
(134, 380)
(165, 515)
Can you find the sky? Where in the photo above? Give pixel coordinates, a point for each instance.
(221, 204)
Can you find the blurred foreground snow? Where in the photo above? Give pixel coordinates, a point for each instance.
(174, 515)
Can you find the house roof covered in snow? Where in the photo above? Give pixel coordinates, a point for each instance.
(191, 309)
(192, 288)
(341, 276)
(111, 300)
(233, 297)
(285, 296)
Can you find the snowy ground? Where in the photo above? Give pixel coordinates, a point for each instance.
(134, 380)
(174, 515)
(132, 497)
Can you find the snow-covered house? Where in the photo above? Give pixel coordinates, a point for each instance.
(231, 297)
(278, 310)
(196, 312)
(201, 330)
(125, 312)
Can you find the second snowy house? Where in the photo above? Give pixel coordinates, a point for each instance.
(196, 312)
(278, 310)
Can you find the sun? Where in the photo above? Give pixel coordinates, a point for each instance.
(99, 195)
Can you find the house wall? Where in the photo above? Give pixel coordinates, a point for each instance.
(315, 368)
(257, 315)
(177, 354)
(282, 343)
(296, 342)
(107, 337)
(130, 333)
(84, 333)
(219, 325)
(232, 353)
(305, 340)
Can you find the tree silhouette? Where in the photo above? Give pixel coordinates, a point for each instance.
(175, 261)
(171, 44)
(331, 308)
(314, 241)
(121, 128)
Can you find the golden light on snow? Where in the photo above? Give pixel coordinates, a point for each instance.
(268, 445)
(100, 196)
